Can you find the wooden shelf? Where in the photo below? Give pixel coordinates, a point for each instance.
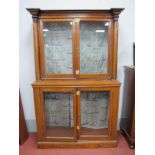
(100, 83)
(86, 131)
(60, 132)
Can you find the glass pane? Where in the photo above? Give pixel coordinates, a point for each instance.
(93, 47)
(58, 47)
(59, 114)
(94, 113)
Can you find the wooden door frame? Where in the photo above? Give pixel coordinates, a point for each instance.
(107, 75)
(45, 76)
(40, 110)
(75, 49)
(111, 127)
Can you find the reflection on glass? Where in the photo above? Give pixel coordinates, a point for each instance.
(59, 114)
(93, 47)
(94, 113)
(58, 47)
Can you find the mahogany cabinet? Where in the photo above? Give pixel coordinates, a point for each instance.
(76, 92)
(76, 113)
(127, 124)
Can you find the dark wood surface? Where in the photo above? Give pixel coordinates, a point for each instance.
(127, 124)
(23, 133)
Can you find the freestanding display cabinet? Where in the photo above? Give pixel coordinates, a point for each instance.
(76, 93)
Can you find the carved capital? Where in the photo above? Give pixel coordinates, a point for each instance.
(34, 13)
(116, 12)
(115, 17)
(35, 19)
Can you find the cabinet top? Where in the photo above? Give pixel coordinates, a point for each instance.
(35, 12)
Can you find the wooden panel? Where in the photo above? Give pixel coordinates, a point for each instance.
(115, 46)
(60, 131)
(114, 112)
(127, 124)
(79, 144)
(77, 83)
(96, 132)
(45, 131)
(38, 112)
(74, 13)
(23, 133)
(36, 47)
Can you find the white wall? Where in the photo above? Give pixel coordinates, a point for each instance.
(26, 49)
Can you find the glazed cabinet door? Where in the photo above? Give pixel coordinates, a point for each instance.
(56, 48)
(94, 48)
(94, 113)
(75, 48)
(58, 114)
(68, 114)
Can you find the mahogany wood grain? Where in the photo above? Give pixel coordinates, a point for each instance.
(79, 144)
(60, 131)
(38, 112)
(36, 47)
(115, 46)
(73, 83)
(77, 83)
(97, 132)
(106, 14)
(114, 112)
(71, 87)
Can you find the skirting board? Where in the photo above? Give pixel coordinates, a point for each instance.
(79, 144)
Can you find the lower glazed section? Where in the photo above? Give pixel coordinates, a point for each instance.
(78, 144)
